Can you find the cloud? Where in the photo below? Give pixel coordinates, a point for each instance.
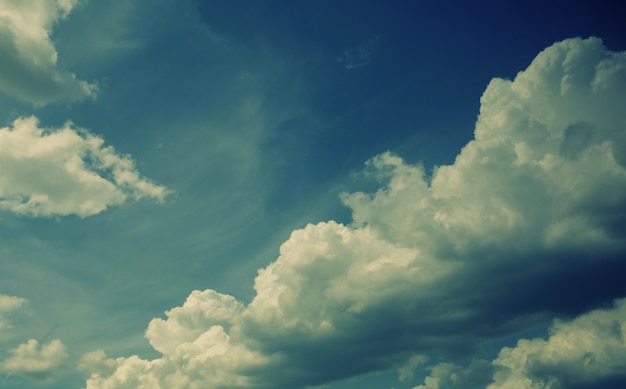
(49, 172)
(28, 69)
(586, 352)
(498, 242)
(359, 56)
(197, 350)
(450, 376)
(406, 372)
(31, 360)
(589, 351)
(95, 362)
(9, 304)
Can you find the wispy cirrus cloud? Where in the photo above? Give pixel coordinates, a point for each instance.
(359, 56)
(486, 247)
(28, 69)
(64, 171)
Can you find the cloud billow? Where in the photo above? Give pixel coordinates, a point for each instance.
(493, 244)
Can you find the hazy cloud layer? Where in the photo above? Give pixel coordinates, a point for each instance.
(32, 360)
(496, 242)
(28, 69)
(63, 171)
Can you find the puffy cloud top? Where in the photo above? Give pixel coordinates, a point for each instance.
(47, 172)
(28, 68)
(487, 246)
(549, 151)
(201, 310)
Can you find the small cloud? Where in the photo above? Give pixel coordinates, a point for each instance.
(359, 56)
(64, 171)
(32, 360)
(406, 372)
(452, 376)
(28, 70)
(8, 305)
(96, 362)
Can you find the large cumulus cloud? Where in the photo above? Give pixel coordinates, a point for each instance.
(28, 69)
(63, 171)
(495, 243)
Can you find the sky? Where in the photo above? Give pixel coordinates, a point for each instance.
(332, 194)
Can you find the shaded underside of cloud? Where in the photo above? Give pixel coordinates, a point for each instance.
(498, 242)
(63, 171)
(28, 69)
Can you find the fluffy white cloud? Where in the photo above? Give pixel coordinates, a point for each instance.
(28, 69)
(64, 171)
(97, 363)
(431, 263)
(586, 351)
(9, 304)
(197, 350)
(589, 351)
(549, 152)
(201, 311)
(450, 375)
(30, 359)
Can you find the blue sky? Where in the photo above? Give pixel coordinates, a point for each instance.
(272, 194)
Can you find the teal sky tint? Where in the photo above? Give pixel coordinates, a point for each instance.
(257, 116)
